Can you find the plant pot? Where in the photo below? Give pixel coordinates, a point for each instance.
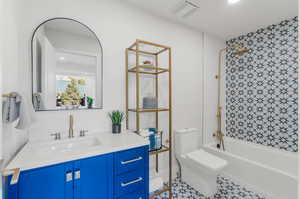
(116, 128)
(90, 105)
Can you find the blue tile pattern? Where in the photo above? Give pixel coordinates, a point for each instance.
(261, 87)
(182, 190)
(227, 189)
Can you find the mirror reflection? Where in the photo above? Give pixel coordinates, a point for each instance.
(66, 66)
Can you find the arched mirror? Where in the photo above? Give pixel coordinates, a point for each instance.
(66, 66)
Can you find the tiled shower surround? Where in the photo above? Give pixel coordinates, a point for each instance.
(261, 87)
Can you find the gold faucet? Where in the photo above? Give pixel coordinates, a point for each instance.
(71, 130)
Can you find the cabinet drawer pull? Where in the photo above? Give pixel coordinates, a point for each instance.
(132, 182)
(130, 161)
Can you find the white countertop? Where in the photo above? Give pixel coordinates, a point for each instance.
(32, 155)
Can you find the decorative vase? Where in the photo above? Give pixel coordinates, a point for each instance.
(116, 128)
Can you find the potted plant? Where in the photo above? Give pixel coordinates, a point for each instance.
(90, 102)
(116, 118)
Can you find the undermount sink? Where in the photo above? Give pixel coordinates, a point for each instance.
(68, 145)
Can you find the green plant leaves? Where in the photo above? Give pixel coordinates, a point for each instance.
(116, 117)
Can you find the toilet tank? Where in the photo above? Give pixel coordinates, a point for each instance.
(187, 140)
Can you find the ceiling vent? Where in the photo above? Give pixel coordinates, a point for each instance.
(186, 8)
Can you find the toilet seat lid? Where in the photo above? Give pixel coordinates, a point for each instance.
(207, 160)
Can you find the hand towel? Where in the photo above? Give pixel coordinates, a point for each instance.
(11, 107)
(5, 110)
(26, 116)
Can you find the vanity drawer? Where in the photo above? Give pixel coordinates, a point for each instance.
(130, 160)
(130, 182)
(135, 195)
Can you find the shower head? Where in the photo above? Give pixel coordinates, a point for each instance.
(241, 52)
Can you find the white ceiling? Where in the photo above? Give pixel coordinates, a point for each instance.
(221, 19)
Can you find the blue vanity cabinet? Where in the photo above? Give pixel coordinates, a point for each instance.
(132, 173)
(89, 178)
(93, 178)
(46, 182)
(118, 175)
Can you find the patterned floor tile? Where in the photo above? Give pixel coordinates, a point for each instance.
(227, 189)
(182, 190)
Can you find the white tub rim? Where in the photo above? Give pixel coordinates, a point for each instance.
(288, 153)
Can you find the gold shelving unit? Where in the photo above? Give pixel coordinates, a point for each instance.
(141, 48)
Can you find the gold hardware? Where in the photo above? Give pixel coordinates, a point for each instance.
(241, 52)
(15, 175)
(8, 95)
(165, 189)
(218, 76)
(138, 49)
(218, 135)
(156, 152)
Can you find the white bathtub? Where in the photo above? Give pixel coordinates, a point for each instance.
(265, 170)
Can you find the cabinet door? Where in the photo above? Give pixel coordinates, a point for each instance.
(93, 178)
(47, 183)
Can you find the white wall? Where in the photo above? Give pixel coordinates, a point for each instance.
(117, 25)
(12, 138)
(1, 65)
(212, 47)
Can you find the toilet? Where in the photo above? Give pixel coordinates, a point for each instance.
(199, 168)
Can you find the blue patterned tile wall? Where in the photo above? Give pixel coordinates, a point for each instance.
(261, 87)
